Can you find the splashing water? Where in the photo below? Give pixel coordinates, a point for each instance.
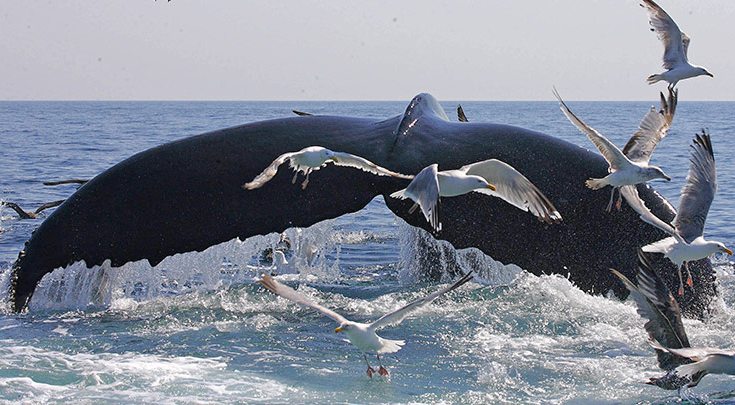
(221, 266)
(512, 337)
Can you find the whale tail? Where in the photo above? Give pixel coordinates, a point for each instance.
(654, 78)
(596, 184)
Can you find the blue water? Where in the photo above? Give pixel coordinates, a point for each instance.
(195, 328)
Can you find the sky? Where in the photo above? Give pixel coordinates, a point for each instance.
(353, 50)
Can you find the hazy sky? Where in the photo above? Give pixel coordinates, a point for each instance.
(353, 50)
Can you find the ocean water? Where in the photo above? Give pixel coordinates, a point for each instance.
(195, 329)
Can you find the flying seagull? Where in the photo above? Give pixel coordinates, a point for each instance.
(313, 158)
(492, 177)
(685, 365)
(686, 242)
(363, 335)
(676, 44)
(23, 214)
(632, 167)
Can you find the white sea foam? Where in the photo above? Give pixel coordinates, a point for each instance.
(197, 330)
(218, 267)
(130, 377)
(421, 254)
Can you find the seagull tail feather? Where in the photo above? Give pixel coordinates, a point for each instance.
(391, 346)
(596, 184)
(654, 78)
(400, 194)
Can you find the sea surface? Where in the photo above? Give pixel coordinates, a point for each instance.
(196, 329)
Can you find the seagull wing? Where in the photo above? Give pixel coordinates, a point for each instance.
(696, 353)
(424, 190)
(350, 160)
(685, 40)
(513, 187)
(660, 309)
(609, 151)
(716, 363)
(652, 129)
(68, 181)
(20, 211)
(699, 190)
(268, 173)
(675, 42)
(399, 315)
(48, 205)
(630, 193)
(290, 294)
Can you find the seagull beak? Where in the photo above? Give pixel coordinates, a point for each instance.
(728, 251)
(334, 159)
(338, 329)
(491, 187)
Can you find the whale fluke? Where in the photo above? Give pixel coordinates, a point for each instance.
(185, 196)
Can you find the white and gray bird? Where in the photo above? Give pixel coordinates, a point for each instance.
(632, 166)
(363, 335)
(313, 158)
(685, 365)
(686, 242)
(676, 45)
(491, 177)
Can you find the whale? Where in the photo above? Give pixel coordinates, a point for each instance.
(186, 195)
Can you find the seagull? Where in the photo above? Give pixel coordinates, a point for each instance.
(685, 364)
(23, 214)
(686, 242)
(703, 361)
(676, 44)
(313, 158)
(363, 335)
(491, 177)
(633, 168)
